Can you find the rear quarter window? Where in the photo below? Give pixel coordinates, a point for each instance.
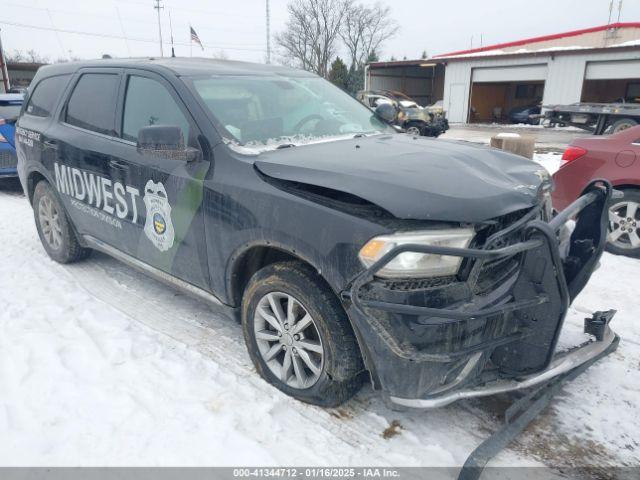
(93, 102)
(43, 100)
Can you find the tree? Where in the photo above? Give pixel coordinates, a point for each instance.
(312, 31)
(365, 29)
(424, 55)
(35, 57)
(339, 74)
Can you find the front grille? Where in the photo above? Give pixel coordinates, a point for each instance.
(8, 159)
(492, 274)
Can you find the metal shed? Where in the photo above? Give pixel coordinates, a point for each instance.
(599, 64)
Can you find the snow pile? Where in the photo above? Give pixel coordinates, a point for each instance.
(550, 161)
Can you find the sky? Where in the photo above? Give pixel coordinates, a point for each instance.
(237, 30)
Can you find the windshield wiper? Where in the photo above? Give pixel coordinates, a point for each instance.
(285, 145)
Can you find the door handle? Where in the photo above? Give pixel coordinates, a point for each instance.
(52, 144)
(117, 164)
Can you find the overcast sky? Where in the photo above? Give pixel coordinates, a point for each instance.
(237, 28)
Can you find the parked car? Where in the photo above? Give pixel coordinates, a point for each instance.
(416, 120)
(347, 251)
(528, 114)
(617, 158)
(10, 105)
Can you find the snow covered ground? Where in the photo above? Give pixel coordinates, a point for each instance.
(100, 365)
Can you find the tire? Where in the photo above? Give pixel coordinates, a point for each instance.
(414, 129)
(338, 369)
(624, 234)
(54, 229)
(623, 124)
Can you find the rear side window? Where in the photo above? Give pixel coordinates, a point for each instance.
(92, 104)
(148, 102)
(45, 96)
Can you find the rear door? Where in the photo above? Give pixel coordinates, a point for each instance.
(169, 229)
(81, 145)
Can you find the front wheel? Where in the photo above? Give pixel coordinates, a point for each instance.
(624, 225)
(298, 335)
(414, 129)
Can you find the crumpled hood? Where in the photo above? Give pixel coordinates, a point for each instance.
(414, 178)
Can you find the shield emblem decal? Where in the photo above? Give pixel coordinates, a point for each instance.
(158, 226)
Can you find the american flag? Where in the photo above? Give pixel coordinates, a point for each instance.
(195, 38)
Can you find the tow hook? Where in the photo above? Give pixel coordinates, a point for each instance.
(597, 324)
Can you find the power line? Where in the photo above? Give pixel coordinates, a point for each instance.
(217, 29)
(120, 37)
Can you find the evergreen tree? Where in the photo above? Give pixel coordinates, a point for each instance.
(339, 74)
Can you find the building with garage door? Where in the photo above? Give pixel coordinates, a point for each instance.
(600, 64)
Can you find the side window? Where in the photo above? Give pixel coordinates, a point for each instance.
(93, 102)
(148, 102)
(43, 99)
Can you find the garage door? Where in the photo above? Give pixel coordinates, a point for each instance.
(613, 70)
(521, 73)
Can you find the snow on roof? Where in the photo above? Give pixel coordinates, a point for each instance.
(499, 49)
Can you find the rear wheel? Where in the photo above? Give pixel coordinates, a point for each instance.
(298, 335)
(55, 232)
(623, 124)
(624, 225)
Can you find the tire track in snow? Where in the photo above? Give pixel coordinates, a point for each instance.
(441, 437)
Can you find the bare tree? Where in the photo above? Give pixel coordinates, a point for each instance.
(312, 32)
(16, 56)
(365, 29)
(35, 57)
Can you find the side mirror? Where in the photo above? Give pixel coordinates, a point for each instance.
(387, 112)
(165, 141)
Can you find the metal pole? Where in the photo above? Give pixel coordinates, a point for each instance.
(619, 10)
(158, 7)
(268, 34)
(173, 52)
(3, 67)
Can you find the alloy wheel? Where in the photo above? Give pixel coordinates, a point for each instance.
(288, 340)
(50, 222)
(624, 226)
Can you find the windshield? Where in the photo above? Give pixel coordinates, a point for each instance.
(274, 111)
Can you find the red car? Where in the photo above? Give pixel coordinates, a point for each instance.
(617, 159)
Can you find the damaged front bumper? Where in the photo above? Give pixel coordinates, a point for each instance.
(428, 344)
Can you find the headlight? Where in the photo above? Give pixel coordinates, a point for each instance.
(413, 264)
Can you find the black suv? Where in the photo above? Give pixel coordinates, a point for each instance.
(347, 250)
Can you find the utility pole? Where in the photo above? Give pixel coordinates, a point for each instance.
(619, 10)
(610, 12)
(3, 69)
(173, 52)
(159, 7)
(268, 34)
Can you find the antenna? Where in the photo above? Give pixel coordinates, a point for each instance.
(268, 34)
(159, 7)
(173, 52)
